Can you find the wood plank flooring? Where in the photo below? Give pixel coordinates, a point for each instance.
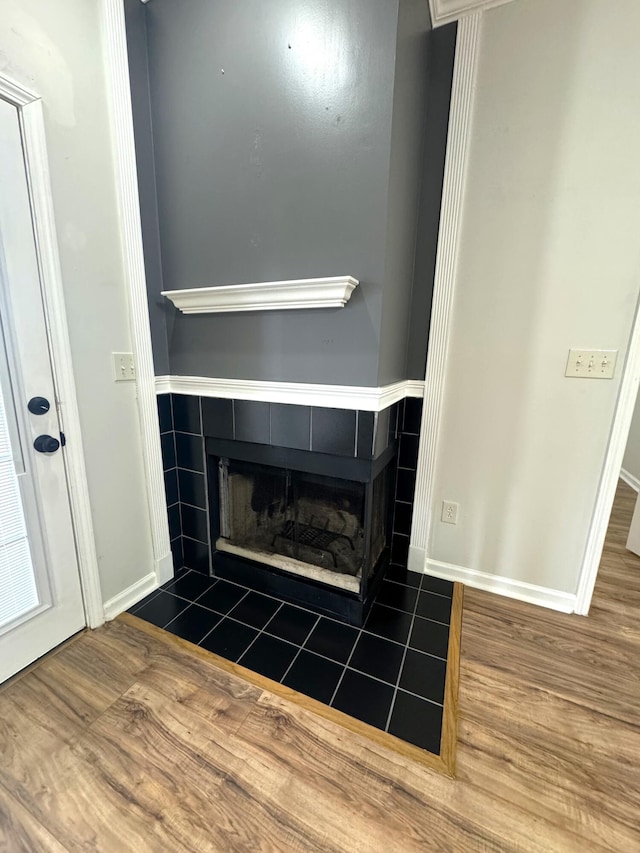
(122, 741)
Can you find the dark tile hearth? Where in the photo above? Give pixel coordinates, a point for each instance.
(389, 674)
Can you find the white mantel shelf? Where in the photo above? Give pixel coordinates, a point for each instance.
(265, 296)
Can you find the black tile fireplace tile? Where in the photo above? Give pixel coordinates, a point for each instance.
(408, 453)
(416, 721)
(332, 640)
(291, 426)
(314, 676)
(186, 413)
(398, 596)
(168, 447)
(364, 698)
(405, 485)
(189, 452)
(171, 486)
(437, 585)
(388, 622)
(424, 675)
(229, 639)
(269, 657)
(412, 415)
(175, 528)
(366, 421)
(255, 609)
(165, 416)
(401, 518)
(383, 431)
(161, 609)
(292, 624)
(399, 549)
(194, 522)
(333, 431)
(194, 623)
(377, 657)
(191, 488)
(176, 553)
(190, 585)
(251, 420)
(431, 637)
(223, 596)
(398, 574)
(433, 606)
(195, 555)
(217, 417)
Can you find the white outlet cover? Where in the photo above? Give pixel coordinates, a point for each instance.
(591, 363)
(449, 512)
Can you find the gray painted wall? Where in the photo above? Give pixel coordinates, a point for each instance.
(442, 46)
(140, 99)
(300, 160)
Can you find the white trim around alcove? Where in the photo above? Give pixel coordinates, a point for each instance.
(121, 115)
(353, 397)
(460, 116)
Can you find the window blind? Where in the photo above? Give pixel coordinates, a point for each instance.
(18, 592)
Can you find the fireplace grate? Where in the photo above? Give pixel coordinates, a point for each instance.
(313, 537)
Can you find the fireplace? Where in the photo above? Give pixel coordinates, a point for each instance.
(363, 461)
(305, 524)
(328, 529)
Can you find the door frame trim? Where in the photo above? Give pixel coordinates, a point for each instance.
(126, 173)
(31, 118)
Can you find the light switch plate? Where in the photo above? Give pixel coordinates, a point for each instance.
(591, 363)
(124, 368)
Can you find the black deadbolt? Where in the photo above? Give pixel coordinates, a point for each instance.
(46, 444)
(38, 405)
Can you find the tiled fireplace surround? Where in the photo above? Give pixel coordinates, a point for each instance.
(336, 431)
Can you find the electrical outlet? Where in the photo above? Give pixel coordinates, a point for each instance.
(124, 367)
(449, 512)
(591, 364)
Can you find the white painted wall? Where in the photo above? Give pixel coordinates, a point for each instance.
(55, 49)
(549, 259)
(631, 461)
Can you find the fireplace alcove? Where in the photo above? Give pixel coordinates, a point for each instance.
(311, 527)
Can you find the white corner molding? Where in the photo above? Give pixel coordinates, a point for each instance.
(460, 116)
(265, 296)
(542, 596)
(130, 596)
(611, 471)
(31, 115)
(446, 11)
(119, 95)
(353, 397)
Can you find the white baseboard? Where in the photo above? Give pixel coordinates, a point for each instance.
(164, 568)
(630, 480)
(417, 559)
(542, 596)
(130, 596)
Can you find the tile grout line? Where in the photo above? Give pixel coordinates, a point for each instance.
(319, 616)
(300, 648)
(342, 675)
(260, 632)
(404, 657)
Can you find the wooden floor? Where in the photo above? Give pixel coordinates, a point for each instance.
(122, 742)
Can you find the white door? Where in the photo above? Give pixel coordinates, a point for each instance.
(40, 595)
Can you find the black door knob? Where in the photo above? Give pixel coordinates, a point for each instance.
(46, 444)
(38, 405)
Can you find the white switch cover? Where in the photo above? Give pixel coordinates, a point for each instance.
(449, 512)
(124, 367)
(591, 363)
